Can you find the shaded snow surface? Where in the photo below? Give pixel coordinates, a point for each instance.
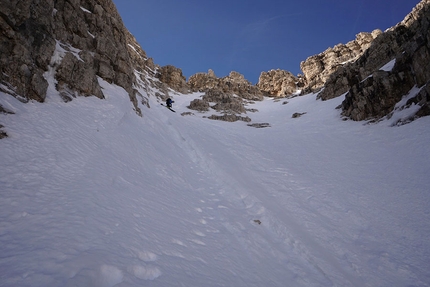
(93, 195)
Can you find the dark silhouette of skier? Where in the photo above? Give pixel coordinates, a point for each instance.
(169, 103)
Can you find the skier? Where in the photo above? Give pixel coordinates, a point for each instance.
(169, 103)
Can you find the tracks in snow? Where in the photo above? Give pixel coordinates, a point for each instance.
(253, 212)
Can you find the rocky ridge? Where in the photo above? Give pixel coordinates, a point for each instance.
(279, 83)
(228, 94)
(80, 41)
(375, 90)
(353, 69)
(318, 68)
(77, 40)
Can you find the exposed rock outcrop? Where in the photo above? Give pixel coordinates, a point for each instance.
(375, 90)
(357, 69)
(278, 83)
(225, 102)
(227, 95)
(173, 77)
(199, 105)
(230, 118)
(203, 81)
(383, 49)
(317, 69)
(79, 39)
(26, 48)
(234, 83)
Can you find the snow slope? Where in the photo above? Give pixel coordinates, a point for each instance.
(93, 195)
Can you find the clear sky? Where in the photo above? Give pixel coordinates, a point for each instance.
(251, 36)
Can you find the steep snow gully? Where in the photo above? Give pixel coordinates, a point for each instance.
(93, 195)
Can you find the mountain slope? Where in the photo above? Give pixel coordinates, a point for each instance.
(97, 192)
(94, 195)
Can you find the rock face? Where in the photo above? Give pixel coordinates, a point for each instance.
(317, 69)
(88, 37)
(375, 90)
(384, 49)
(227, 95)
(357, 70)
(173, 77)
(234, 83)
(278, 83)
(26, 48)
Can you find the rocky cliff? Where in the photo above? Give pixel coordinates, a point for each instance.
(279, 83)
(358, 70)
(317, 69)
(228, 94)
(375, 88)
(80, 41)
(234, 83)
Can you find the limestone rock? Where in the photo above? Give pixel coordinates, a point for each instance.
(91, 35)
(203, 81)
(229, 118)
(369, 98)
(225, 102)
(27, 46)
(77, 75)
(199, 105)
(422, 99)
(297, 115)
(259, 125)
(318, 68)
(375, 92)
(227, 94)
(211, 73)
(234, 83)
(173, 77)
(277, 83)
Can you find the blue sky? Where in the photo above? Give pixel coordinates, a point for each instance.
(251, 36)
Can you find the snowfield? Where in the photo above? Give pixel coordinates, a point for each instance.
(93, 195)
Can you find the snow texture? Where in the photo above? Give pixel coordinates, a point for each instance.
(94, 195)
(389, 66)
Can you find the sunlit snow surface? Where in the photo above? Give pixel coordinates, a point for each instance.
(93, 195)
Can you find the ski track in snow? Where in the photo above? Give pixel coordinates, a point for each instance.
(93, 195)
